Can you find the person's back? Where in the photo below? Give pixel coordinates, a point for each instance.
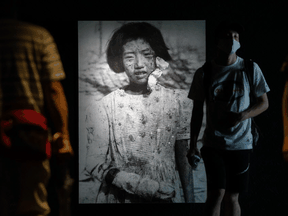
(30, 74)
(27, 52)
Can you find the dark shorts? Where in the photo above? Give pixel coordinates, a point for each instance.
(227, 170)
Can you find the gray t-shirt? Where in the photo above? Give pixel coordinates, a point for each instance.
(228, 92)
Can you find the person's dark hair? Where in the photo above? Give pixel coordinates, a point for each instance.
(133, 31)
(227, 25)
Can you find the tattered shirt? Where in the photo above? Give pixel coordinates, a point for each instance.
(137, 134)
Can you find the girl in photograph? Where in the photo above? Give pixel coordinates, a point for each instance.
(138, 134)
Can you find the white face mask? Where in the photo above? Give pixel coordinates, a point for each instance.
(235, 46)
(226, 48)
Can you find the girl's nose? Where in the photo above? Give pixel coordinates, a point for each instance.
(139, 61)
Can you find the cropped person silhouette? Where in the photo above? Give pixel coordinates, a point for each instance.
(138, 134)
(30, 92)
(227, 141)
(284, 69)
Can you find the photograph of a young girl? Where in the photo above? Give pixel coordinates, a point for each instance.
(134, 114)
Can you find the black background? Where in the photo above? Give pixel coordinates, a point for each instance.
(265, 41)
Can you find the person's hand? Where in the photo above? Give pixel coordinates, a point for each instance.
(61, 147)
(285, 149)
(190, 156)
(165, 191)
(231, 119)
(143, 187)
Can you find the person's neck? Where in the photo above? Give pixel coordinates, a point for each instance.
(136, 89)
(224, 59)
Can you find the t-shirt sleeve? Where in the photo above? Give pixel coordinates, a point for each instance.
(196, 91)
(51, 63)
(260, 85)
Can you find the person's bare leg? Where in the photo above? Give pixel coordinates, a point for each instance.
(231, 204)
(213, 202)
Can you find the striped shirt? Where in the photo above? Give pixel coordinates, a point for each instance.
(28, 56)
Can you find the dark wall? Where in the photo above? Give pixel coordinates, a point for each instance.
(265, 41)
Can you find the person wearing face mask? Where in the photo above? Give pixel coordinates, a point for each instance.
(227, 140)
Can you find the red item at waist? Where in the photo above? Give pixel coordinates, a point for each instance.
(23, 117)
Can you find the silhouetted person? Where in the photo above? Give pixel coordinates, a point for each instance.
(227, 140)
(30, 90)
(284, 69)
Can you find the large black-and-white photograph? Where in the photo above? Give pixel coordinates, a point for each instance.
(134, 113)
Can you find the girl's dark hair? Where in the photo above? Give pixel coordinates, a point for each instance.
(133, 31)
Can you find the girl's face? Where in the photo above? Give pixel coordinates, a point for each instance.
(138, 61)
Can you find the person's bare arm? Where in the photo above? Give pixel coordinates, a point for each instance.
(261, 105)
(195, 126)
(234, 118)
(58, 110)
(185, 170)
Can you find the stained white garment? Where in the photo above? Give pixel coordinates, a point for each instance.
(137, 134)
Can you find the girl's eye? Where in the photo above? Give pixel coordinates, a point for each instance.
(148, 55)
(128, 58)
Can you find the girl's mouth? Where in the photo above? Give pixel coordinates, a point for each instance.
(140, 73)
